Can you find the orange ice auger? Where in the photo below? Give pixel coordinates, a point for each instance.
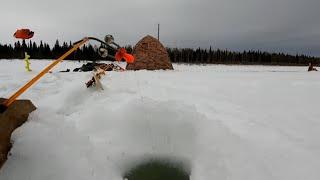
(122, 54)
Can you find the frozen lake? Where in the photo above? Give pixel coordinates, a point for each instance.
(223, 122)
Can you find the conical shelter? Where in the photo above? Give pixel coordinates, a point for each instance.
(150, 54)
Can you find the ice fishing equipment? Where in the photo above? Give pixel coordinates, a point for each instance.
(122, 54)
(109, 39)
(27, 61)
(9, 101)
(23, 34)
(103, 52)
(76, 45)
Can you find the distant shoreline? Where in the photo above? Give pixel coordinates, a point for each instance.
(177, 55)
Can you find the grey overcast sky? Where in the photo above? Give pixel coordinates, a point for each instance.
(291, 26)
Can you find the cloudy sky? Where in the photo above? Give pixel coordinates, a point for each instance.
(291, 26)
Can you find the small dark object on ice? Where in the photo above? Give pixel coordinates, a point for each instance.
(87, 67)
(68, 70)
(311, 68)
(76, 69)
(104, 66)
(90, 82)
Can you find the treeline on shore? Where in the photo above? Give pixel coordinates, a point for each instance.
(246, 57)
(184, 55)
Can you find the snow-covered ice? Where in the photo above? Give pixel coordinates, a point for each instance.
(222, 122)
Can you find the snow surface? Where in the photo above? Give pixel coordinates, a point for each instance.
(222, 122)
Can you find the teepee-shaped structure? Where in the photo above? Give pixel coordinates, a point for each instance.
(150, 54)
